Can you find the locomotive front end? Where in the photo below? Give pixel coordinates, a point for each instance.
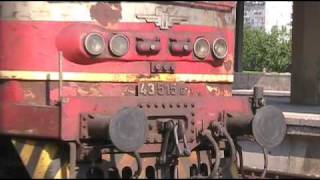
(134, 89)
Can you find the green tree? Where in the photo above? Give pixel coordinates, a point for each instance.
(271, 51)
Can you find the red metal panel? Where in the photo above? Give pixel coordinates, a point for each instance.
(45, 122)
(31, 121)
(38, 44)
(11, 91)
(34, 46)
(207, 109)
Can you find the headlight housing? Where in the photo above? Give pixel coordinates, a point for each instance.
(220, 48)
(119, 45)
(201, 48)
(94, 44)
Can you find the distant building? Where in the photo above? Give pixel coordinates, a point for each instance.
(254, 14)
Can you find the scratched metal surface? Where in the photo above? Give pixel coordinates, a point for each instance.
(209, 14)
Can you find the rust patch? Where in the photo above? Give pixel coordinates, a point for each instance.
(106, 13)
(228, 65)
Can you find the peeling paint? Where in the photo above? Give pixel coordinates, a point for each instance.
(28, 94)
(106, 13)
(109, 13)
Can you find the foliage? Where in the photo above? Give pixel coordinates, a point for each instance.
(271, 51)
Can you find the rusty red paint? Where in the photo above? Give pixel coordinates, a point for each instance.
(228, 65)
(45, 93)
(93, 89)
(207, 108)
(36, 46)
(30, 120)
(106, 13)
(11, 91)
(44, 121)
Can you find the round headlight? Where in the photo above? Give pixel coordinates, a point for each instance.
(220, 48)
(201, 48)
(94, 44)
(119, 45)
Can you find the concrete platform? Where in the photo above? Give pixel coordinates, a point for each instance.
(270, 81)
(249, 92)
(299, 154)
(301, 119)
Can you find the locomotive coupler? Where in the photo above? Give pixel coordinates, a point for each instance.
(173, 132)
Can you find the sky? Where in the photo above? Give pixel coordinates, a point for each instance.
(277, 13)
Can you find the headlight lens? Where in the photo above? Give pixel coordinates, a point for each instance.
(119, 45)
(94, 44)
(220, 48)
(201, 48)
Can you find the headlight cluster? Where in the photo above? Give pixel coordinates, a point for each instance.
(94, 44)
(219, 48)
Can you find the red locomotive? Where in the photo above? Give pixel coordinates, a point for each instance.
(126, 89)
